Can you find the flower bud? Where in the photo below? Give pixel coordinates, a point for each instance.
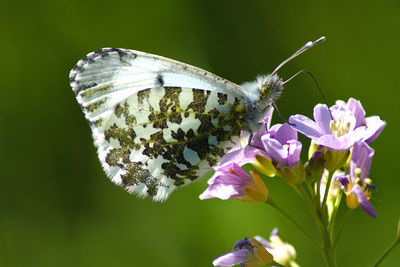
(293, 175)
(264, 165)
(315, 166)
(255, 190)
(335, 159)
(312, 149)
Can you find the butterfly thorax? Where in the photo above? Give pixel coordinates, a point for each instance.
(261, 93)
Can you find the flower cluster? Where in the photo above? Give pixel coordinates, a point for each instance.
(338, 131)
(339, 161)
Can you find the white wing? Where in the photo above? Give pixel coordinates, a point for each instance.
(120, 91)
(123, 72)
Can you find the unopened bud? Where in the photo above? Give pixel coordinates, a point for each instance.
(315, 166)
(293, 175)
(264, 165)
(335, 159)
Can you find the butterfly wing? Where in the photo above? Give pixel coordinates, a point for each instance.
(157, 123)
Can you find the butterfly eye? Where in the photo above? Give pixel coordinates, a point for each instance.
(265, 91)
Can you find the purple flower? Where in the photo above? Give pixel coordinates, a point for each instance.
(357, 185)
(246, 253)
(231, 181)
(241, 155)
(282, 146)
(347, 126)
(281, 143)
(253, 153)
(374, 125)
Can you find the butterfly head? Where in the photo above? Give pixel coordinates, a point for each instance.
(261, 94)
(270, 89)
(263, 91)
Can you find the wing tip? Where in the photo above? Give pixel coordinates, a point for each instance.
(91, 58)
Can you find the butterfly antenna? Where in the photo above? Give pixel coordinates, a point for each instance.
(316, 83)
(280, 114)
(298, 52)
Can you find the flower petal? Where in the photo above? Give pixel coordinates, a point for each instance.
(232, 258)
(275, 149)
(343, 142)
(221, 191)
(358, 111)
(285, 133)
(362, 159)
(374, 128)
(262, 241)
(305, 126)
(272, 131)
(323, 118)
(241, 156)
(294, 153)
(363, 201)
(232, 156)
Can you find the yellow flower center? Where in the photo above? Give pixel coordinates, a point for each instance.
(339, 128)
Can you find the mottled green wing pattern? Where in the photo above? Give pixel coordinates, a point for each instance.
(162, 138)
(152, 131)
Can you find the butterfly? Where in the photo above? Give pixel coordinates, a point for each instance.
(158, 123)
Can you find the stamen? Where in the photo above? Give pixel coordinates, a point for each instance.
(347, 128)
(338, 123)
(332, 125)
(368, 181)
(338, 129)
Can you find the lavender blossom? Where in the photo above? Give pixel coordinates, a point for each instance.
(231, 181)
(339, 127)
(281, 144)
(357, 185)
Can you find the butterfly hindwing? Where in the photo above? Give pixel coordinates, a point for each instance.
(157, 123)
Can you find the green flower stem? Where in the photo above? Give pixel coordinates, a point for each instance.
(331, 225)
(310, 205)
(318, 216)
(387, 251)
(315, 209)
(340, 231)
(311, 191)
(328, 252)
(318, 185)
(328, 184)
(294, 222)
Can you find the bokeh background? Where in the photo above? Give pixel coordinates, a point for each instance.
(57, 208)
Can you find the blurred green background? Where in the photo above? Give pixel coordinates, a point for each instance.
(57, 208)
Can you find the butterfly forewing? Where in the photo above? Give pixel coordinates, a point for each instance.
(157, 123)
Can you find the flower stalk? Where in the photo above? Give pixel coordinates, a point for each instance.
(294, 222)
